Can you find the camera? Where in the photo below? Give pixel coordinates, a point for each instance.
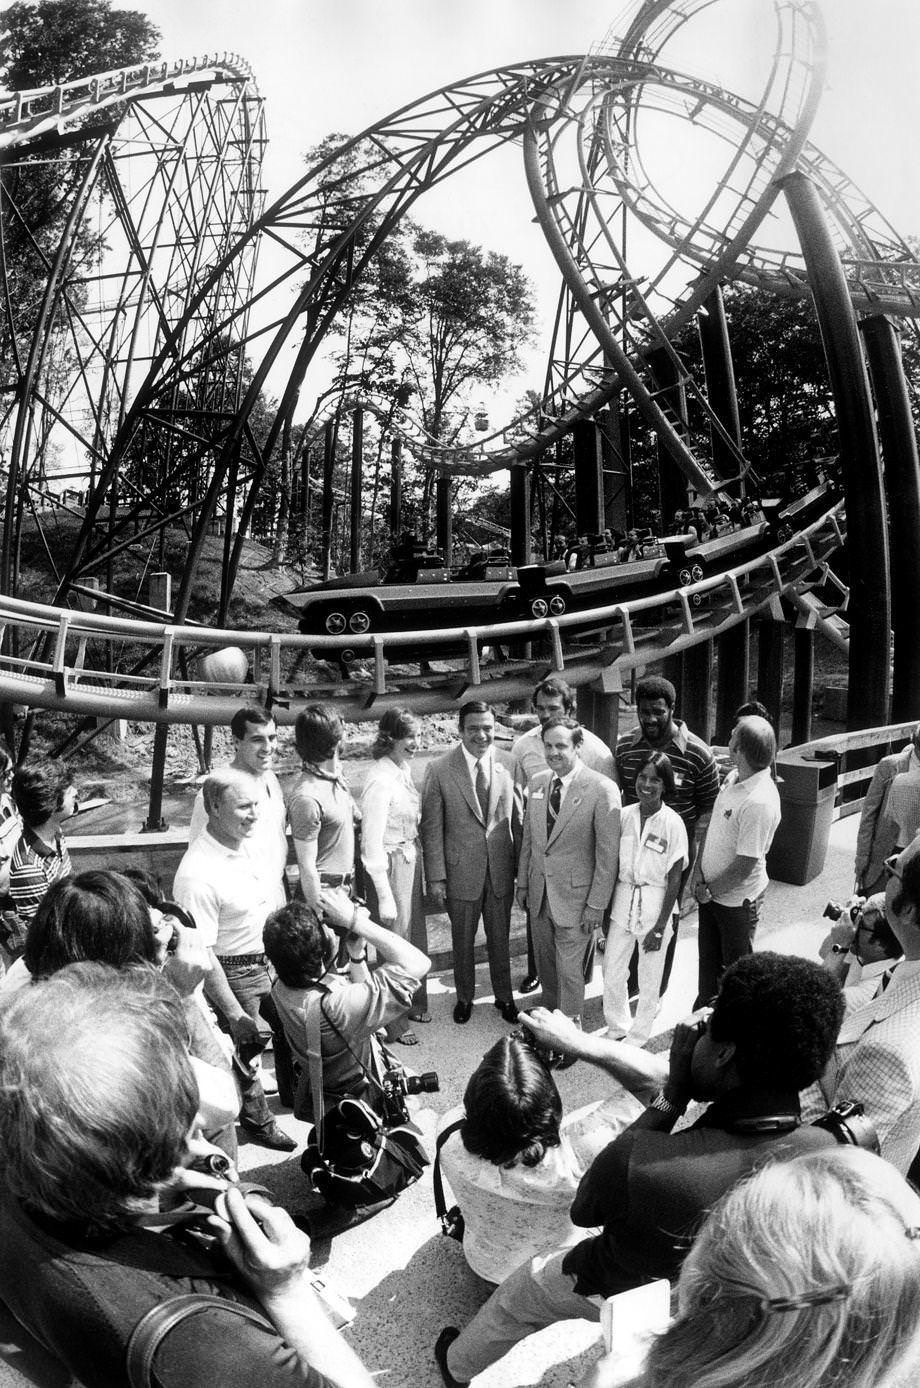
(397, 1085)
(833, 911)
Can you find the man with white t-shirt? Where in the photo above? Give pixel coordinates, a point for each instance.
(229, 891)
(733, 865)
(255, 741)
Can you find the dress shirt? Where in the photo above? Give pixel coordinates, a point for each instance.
(487, 761)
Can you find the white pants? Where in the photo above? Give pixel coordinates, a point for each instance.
(620, 945)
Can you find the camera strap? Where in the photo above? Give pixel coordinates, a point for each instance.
(440, 1203)
(314, 1013)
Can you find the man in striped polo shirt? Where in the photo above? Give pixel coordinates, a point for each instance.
(696, 775)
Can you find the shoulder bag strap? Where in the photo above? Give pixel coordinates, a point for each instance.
(440, 1204)
(152, 1329)
(315, 1058)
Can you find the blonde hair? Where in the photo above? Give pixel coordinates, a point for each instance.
(806, 1275)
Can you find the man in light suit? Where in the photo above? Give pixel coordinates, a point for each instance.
(877, 1057)
(878, 832)
(569, 861)
(471, 832)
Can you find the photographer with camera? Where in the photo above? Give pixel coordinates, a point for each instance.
(97, 1110)
(860, 947)
(302, 948)
(770, 1032)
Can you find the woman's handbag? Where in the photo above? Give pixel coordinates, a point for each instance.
(357, 1156)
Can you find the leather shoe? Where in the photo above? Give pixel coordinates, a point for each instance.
(508, 1010)
(530, 984)
(463, 1011)
(441, 1345)
(272, 1135)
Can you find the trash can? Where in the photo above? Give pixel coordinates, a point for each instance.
(807, 791)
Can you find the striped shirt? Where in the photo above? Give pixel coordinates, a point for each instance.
(695, 771)
(33, 868)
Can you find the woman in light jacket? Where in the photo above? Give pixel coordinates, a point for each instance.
(390, 850)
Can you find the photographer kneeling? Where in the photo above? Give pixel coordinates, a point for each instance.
(97, 1109)
(350, 1007)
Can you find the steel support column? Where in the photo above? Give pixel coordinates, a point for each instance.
(770, 667)
(673, 487)
(617, 467)
(521, 543)
(734, 677)
(357, 482)
(902, 484)
(695, 689)
(444, 520)
(396, 492)
(803, 679)
(720, 381)
(589, 478)
(869, 610)
(329, 436)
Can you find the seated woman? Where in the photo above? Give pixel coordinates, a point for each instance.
(653, 855)
(511, 1163)
(97, 1109)
(806, 1275)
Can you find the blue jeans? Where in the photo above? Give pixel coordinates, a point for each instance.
(251, 985)
(726, 934)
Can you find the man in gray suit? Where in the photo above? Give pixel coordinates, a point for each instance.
(878, 832)
(471, 831)
(569, 861)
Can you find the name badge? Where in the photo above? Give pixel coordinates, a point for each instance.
(537, 795)
(678, 778)
(656, 843)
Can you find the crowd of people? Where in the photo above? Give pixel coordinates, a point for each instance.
(134, 1019)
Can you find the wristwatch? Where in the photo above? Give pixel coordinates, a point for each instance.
(663, 1105)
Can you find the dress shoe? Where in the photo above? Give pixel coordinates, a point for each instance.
(441, 1345)
(530, 984)
(508, 1010)
(463, 1011)
(272, 1135)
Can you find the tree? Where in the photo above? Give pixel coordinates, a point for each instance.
(60, 40)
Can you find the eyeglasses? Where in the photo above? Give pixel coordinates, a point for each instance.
(891, 866)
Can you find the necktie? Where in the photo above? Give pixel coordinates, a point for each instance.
(553, 804)
(482, 790)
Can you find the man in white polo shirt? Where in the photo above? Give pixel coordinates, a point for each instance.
(733, 867)
(229, 891)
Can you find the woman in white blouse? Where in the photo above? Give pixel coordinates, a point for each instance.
(653, 855)
(390, 851)
(514, 1163)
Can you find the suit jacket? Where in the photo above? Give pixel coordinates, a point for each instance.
(877, 837)
(457, 845)
(878, 1063)
(576, 866)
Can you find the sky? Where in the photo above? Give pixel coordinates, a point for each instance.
(341, 65)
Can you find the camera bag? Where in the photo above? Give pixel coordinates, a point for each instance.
(356, 1155)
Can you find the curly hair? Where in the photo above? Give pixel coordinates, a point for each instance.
(39, 790)
(97, 1093)
(834, 1233)
(513, 1108)
(395, 723)
(782, 1014)
(652, 687)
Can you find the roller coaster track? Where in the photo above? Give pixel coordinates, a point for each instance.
(622, 637)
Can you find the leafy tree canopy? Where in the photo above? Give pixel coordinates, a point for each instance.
(60, 40)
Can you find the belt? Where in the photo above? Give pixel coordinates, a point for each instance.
(233, 959)
(336, 879)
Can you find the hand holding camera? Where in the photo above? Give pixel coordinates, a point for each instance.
(687, 1034)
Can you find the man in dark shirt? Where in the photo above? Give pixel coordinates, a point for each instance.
(775, 1021)
(695, 772)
